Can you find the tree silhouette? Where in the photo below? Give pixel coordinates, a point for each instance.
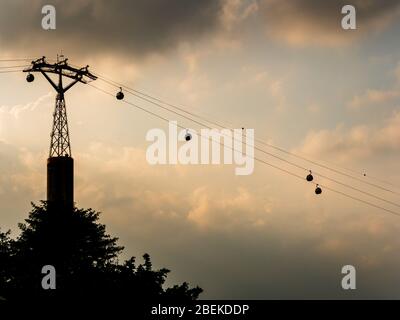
(85, 258)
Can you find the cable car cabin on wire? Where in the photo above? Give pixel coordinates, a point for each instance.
(188, 136)
(120, 94)
(30, 77)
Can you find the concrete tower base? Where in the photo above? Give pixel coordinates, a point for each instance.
(60, 182)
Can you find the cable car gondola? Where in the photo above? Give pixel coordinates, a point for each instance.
(30, 77)
(188, 136)
(120, 95)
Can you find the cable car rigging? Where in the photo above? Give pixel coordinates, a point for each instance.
(309, 178)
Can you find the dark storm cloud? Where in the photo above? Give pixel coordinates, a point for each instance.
(154, 26)
(92, 26)
(321, 10)
(319, 22)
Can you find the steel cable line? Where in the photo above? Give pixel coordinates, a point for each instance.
(261, 150)
(12, 60)
(258, 159)
(9, 71)
(361, 200)
(10, 67)
(190, 119)
(282, 159)
(332, 169)
(337, 171)
(117, 84)
(137, 92)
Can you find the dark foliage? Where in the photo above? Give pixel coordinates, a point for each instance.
(86, 261)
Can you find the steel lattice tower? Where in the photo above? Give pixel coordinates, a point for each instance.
(60, 143)
(60, 165)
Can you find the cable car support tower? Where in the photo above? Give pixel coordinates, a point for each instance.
(60, 164)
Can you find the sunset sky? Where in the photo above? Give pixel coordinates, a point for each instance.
(283, 68)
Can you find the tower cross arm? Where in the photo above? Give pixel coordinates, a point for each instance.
(82, 75)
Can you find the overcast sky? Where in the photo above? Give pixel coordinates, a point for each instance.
(284, 68)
